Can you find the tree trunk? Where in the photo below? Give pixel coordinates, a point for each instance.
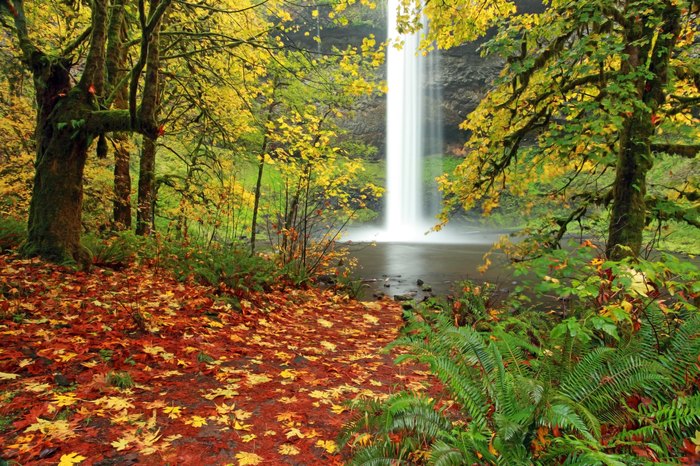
(56, 205)
(122, 183)
(147, 164)
(147, 169)
(628, 216)
(648, 46)
(258, 192)
(116, 71)
(68, 119)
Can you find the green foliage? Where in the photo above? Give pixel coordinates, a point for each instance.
(613, 376)
(116, 250)
(6, 423)
(12, 233)
(232, 269)
(574, 121)
(120, 379)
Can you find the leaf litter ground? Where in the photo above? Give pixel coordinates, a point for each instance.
(264, 385)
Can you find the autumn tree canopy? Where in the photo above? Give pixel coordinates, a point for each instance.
(592, 93)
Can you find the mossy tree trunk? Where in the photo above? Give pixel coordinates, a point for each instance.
(116, 71)
(69, 118)
(647, 59)
(147, 163)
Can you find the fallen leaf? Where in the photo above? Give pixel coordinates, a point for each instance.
(328, 445)
(287, 449)
(70, 459)
(196, 421)
(245, 459)
(121, 444)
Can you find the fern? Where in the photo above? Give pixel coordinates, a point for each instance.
(677, 419)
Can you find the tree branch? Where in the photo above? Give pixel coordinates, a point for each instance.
(70, 47)
(689, 151)
(107, 121)
(93, 73)
(31, 54)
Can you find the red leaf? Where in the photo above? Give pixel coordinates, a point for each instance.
(161, 130)
(91, 89)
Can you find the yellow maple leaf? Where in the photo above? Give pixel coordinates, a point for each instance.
(289, 374)
(294, 432)
(196, 421)
(64, 400)
(286, 416)
(242, 415)
(287, 449)
(239, 426)
(114, 402)
(328, 345)
(122, 444)
(374, 306)
(248, 459)
(328, 445)
(59, 429)
(255, 379)
(248, 438)
(70, 459)
(229, 391)
(324, 323)
(37, 387)
(7, 376)
(370, 318)
(337, 409)
(173, 412)
(319, 395)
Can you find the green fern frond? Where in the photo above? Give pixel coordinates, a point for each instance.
(680, 359)
(384, 453)
(462, 388)
(569, 450)
(564, 416)
(676, 418)
(599, 383)
(446, 454)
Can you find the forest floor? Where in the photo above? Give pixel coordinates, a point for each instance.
(200, 383)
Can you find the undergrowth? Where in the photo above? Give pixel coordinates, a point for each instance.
(609, 376)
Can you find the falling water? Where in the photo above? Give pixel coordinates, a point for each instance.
(406, 127)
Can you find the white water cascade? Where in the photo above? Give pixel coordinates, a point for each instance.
(406, 141)
(404, 135)
(413, 130)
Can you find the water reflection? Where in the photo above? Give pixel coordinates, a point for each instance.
(396, 268)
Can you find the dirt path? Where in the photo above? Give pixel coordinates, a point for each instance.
(210, 385)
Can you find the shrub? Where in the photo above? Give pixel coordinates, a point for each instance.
(115, 251)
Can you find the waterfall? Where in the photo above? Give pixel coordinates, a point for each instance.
(410, 130)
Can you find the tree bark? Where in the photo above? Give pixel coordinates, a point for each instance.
(649, 47)
(147, 164)
(116, 72)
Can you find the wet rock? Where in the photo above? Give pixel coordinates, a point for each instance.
(419, 282)
(404, 297)
(427, 289)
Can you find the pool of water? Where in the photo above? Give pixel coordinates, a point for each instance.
(422, 269)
